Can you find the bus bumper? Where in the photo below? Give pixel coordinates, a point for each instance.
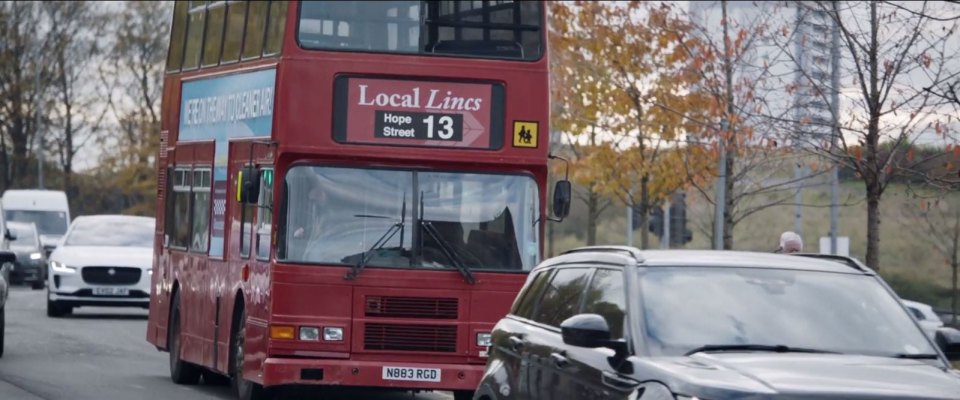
(286, 371)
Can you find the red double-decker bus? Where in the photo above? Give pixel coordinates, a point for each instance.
(350, 192)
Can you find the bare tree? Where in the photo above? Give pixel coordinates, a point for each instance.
(892, 52)
(23, 56)
(937, 222)
(744, 84)
(134, 78)
(76, 30)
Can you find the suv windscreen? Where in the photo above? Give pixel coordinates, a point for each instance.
(494, 29)
(409, 219)
(685, 308)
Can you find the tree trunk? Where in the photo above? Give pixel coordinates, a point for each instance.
(874, 175)
(953, 303)
(644, 212)
(593, 209)
(728, 223)
(873, 227)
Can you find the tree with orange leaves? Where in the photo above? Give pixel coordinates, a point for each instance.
(622, 90)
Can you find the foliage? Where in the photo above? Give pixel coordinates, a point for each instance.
(623, 92)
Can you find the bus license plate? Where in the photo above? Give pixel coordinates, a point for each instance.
(110, 291)
(411, 374)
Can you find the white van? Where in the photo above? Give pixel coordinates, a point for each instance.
(47, 209)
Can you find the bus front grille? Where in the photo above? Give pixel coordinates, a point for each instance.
(411, 307)
(434, 338)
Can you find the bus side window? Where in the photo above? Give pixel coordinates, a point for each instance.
(275, 27)
(233, 36)
(256, 29)
(216, 13)
(265, 214)
(177, 36)
(180, 217)
(198, 14)
(201, 211)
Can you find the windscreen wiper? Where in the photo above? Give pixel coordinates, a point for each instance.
(449, 251)
(779, 348)
(366, 256)
(930, 356)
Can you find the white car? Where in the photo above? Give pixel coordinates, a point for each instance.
(928, 319)
(103, 260)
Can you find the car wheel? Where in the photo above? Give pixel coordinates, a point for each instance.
(245, 389)
(57, 310)
(181, 372)
(3, 327)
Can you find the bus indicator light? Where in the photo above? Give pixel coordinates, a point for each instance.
(282, 332)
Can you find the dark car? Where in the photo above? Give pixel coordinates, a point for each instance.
(31, 265)
(619, 323)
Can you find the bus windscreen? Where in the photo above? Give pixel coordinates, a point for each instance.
(503, 29)
(409, 219)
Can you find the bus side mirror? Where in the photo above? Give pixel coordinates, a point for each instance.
(248, 186)
(561, 199)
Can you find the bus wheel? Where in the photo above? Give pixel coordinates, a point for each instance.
(245, 389)
(462, 395)
(181, 372)
(215, 379)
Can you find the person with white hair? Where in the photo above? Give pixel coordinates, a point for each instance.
(790, 242)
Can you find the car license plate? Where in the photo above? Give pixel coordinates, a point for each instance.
(110, 291)
(411, 374)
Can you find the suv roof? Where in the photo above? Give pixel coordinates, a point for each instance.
(625, 255)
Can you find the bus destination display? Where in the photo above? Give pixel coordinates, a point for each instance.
(418, 113)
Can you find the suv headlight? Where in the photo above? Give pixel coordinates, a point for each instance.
(61, 268)
(36, 256)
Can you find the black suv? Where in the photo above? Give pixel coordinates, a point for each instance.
(620, 323)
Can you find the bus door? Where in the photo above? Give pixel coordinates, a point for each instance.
(249, 245)
(188, 241)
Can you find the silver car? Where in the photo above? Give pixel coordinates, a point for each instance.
(103, 260)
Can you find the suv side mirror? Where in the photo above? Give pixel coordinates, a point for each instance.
(585, 330)
(592, 331)
(562, 194)
(248, 185)
(948, 339)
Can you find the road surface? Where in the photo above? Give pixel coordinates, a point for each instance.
(102, 354)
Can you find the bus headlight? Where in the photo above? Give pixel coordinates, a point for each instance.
(36, 256)
(333, 334)
(62, 268)
(484, 340)
(309, 333)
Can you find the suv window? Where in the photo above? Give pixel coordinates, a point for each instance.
(562, 297)
(607, 298)
(524, 306)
